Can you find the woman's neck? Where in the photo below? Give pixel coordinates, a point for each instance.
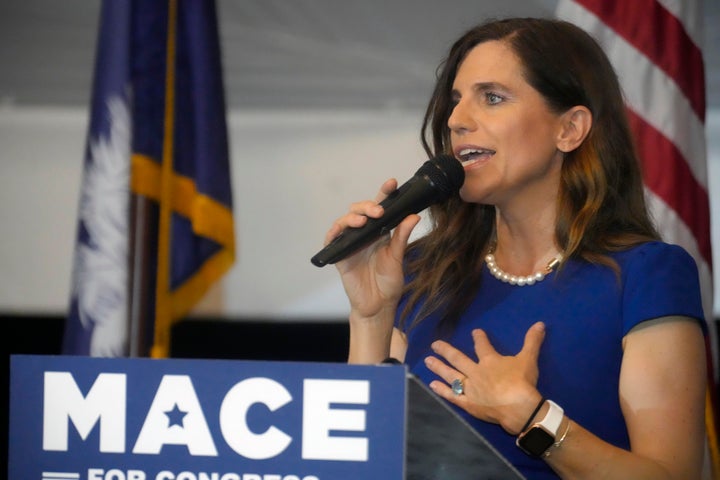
(525, 243)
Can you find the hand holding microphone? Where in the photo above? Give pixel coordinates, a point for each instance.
(434, 182)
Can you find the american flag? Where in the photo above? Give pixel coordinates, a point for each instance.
(656, 47)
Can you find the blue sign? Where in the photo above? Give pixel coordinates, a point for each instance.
(82, 418)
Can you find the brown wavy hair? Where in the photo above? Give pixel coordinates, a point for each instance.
(600, 204)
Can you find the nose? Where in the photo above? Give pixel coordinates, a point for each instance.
(461, 119)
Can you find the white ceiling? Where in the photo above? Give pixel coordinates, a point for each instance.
(279, 53)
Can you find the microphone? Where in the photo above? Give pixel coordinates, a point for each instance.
(434, 182)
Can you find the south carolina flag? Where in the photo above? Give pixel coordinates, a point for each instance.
(656, 48)
(155, 225)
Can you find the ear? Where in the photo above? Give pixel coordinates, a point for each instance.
(574, 128)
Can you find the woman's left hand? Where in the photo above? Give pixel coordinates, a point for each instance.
(498, 389)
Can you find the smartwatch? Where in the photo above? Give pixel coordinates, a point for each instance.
(537, 439)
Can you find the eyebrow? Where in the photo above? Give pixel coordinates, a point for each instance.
(482, 87)
(485, 86)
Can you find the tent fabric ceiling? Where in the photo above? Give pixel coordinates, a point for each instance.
(278, 53)
(345, 54)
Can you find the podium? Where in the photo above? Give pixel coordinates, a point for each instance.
(139, 419)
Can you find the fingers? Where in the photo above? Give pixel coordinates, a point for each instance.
(483, 347)
(448, 374)
(357, 216)
(386, 189)
(446, 391)
(533, 341)
(492, 385)
(457, 362)
(359, 212)
(400, 238)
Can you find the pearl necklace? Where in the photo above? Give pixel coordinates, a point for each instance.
(520, 280)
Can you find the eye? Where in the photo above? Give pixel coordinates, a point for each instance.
(493, 98)
(454, 99)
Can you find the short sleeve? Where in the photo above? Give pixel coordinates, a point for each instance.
(659, 280)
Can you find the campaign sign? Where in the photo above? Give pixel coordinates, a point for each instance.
(81, 418)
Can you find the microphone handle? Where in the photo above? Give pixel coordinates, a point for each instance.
(412, 197)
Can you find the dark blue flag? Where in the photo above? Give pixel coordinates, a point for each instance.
(157, 130)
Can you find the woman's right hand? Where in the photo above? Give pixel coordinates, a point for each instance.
(373, 277)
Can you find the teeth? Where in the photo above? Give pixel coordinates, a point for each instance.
(469, 153)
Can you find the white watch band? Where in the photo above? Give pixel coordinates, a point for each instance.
(553, 418)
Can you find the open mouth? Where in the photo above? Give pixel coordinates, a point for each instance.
(471, 155)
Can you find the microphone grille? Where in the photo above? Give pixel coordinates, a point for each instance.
(445, 172)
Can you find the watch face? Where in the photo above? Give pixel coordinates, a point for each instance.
(536, 441)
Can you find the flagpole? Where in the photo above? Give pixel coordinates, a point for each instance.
(163, 307)
(143, 234)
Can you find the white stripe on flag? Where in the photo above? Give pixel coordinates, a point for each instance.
(690, 15)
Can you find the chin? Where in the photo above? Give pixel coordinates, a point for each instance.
(469, 196)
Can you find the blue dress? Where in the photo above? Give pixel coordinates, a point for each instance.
(587, 310)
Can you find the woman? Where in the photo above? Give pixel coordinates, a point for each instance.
(542, 295)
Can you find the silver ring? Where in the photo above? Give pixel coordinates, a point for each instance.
(458, 387)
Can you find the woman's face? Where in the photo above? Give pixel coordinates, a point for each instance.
(502, 130)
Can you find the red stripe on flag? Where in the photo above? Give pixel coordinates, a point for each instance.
(668, 175)
(661, 37)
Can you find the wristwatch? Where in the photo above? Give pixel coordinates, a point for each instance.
(536, 440)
